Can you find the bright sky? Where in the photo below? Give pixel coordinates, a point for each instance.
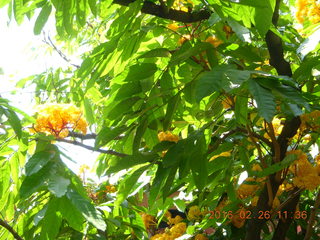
(23, 54)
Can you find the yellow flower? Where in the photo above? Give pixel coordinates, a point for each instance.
(175, 220)
(277, 128)
(245, 189)
(179, 229)
(200, 237)
(110, 189)
(223, 154)
(168, 136)
(194, 213)
(306, 175)
(148, 220)
(184, 38)
(254, 201)
(308, 10)
(83, 168)
(59, 119)
(173, 26)
(214, 41)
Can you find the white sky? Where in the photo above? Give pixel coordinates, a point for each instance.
(23, 54)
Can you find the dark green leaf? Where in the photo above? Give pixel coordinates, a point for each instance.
(107, 134)
(127, 185)
(158, 183)
(264, 99)
(51, 221)
(139, 134)
(171, 108)
(241, 110)
(141, 71)
(38, 161)
(71, 214)
(130, 161)
(158, 52)
(83, 205)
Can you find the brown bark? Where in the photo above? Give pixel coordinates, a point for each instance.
(171, 14)
(254, 226)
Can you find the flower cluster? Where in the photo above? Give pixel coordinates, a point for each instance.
(277, 128)
(308, 10)
(59, 119)
(174, 232)
(168, 136)
(200, 237)
(110, 189)
(251, 184)
(310, 121)
(306, 175)
(214, 41)
(149, 221)
(195, 214)
(171, 220)
(182, 5)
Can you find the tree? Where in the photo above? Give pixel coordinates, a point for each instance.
(185, 96)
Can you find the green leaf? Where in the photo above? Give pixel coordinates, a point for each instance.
(87, 209)
(241, 109)
(3, 3)
(158, 52)
(158, 183)
(127, 184)
(36, 181)
(186, 52)
(171, 108)
(68, 8)
(58, 185)
(175, 154)
(38, 161)
(286, 162)
(42, 18)
(50, 225)
(14, 121)
(88, 112)
(107, 134)
(139, 134)
(263, 17)
(130, 161)
(81, 11)
(122, 108)
(18, 10)
(220, 77)
(71, 214)
(264, 99)
(140, 71)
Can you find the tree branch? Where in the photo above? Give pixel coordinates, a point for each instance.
(312, 217)
(172, 14)
(10, 229)
(254, 226)
(111, 152)
(62, 55)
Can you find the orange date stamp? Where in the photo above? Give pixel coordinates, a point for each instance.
(262, 215)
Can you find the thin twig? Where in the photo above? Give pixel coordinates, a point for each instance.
(62, 55)
(111, 152)
(312, 217)
(10, 229)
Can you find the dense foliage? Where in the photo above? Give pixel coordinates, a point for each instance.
(186, 97)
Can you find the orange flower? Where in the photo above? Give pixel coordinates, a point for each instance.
(168, 136)
(173, 26)
(214, 41)
(59, 119)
